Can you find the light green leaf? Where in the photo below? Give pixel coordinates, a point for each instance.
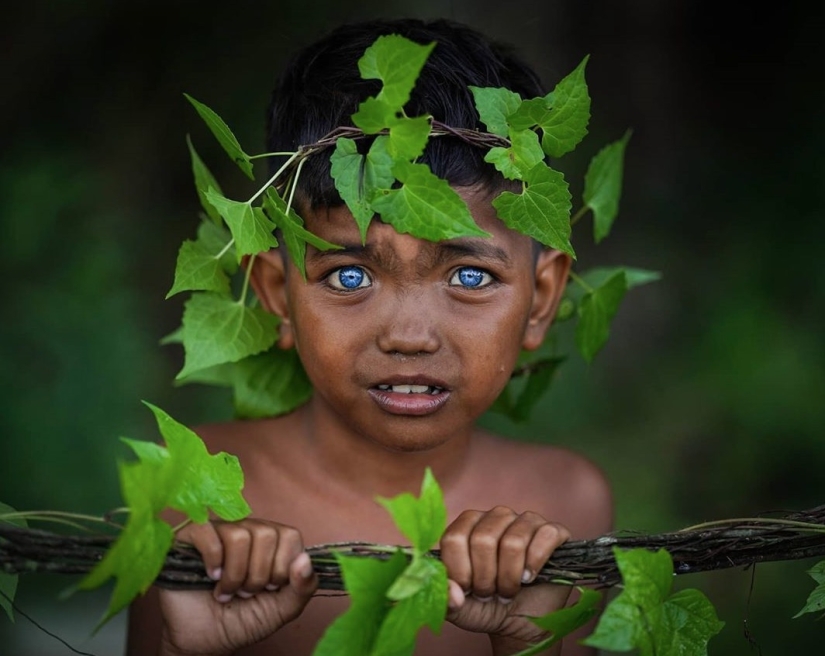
(541, 211)
(217, 240)
(408, 137)
(175, 337)
(396, 61)
(566, 125)
(603, 186)
(425, 206)
(504, 159)
(531, 113)
(8, 582)
(203, 180)
(420, 573)
(563, 622)
(198, 270)
(816, 600)
(515, 163)
(347, 170)
(217, 329)
(374, 115)
(224, 136)
(596, 311)
(269, 384)
(646, 617)
(422, 520)
(367, 580)
(494, 105)
(250, 227)
(635, 276)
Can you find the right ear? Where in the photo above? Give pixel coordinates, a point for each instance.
(268, 278)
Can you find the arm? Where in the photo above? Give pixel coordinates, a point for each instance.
(263, 577)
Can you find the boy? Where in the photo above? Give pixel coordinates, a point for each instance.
(406, 342)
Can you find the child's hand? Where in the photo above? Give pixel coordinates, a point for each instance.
(264, 580)
(488, 556)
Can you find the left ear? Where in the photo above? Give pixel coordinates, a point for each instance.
(552, 269)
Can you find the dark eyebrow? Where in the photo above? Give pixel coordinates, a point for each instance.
(450, 250)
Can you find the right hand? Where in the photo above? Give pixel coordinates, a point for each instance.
(264, 579)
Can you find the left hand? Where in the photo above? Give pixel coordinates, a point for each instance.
(488, 556)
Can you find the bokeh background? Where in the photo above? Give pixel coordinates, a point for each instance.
(708, 401)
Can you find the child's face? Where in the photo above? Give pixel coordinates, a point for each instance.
(407, 342)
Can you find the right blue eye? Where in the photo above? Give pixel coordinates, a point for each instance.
(348, 278)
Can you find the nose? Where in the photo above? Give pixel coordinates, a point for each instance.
(410, 325)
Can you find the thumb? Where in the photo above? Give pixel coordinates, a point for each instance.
(302, 585)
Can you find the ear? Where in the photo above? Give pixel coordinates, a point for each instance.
(269, 280)
(552, 269)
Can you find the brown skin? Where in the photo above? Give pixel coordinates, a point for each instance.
(320, 468)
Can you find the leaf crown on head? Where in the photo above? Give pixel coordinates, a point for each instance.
(229, 341)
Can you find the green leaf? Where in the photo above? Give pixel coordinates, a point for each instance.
(422, 520)
(535, 387)
(494, 105)
(8, 582)
(408, 137)
(541, 211)
(596, 311)
(515, 163)
(396, 61)
(367, 580)
(250, 227)
(566, 124)
(374, 115)
(217, 329)
(563, 622)
(224, 136)
(603, 186)
(217, 240)
(420, 573)
(203, 180)
(816, 600)
(292, 229)
(269, 384)
(646, 617)
(348, 175)
(198, 270)
(425, 206)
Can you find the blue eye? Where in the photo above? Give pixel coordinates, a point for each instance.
(471, 277)
(349, 277)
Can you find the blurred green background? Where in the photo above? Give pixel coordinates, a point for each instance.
(708, 401)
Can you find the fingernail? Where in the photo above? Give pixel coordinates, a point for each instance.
(483, 600)
(272, 587)
(243, 594)
(224, 598)
(305, 566)
(215, 574)
(527, 576)
(504, 600)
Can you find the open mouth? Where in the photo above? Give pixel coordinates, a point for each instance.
(411, 389)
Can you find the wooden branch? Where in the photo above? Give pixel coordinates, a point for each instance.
(713, 546)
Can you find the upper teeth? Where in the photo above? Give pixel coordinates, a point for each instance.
(411, 389)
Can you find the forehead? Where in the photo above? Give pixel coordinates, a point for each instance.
(337, 225)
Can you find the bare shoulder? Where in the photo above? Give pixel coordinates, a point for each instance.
(557, 482)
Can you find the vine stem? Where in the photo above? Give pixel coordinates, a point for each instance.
(575, 277)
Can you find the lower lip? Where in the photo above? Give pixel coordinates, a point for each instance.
(401, 403)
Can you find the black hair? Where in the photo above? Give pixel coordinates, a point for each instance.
(321, 88)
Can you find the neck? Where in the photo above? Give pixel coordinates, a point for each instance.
(369, 468)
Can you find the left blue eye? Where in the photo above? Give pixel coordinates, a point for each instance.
(349, 277)
(471, 277)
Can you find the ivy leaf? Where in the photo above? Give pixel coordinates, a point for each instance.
(292, 229)
(564, 621)
(646, 617)
(541, 211)
(217, 240)
(603, 186)
(203, 180)
(408, 137)
(425, 206)
(198, 270)
(217, 329)
(367, 580)
(250, 227)
(203, 481)
(224, 136)
(816, 600)
(494, 105)
(269, 384)
(396, 61)
(422, 520)
(596, 310)
(8, 582)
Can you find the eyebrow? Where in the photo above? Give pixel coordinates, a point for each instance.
(481, 249)
(441, 252)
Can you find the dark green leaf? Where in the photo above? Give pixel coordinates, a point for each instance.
(250, 227)
(224, 136)
(396, 61)
(203, 180)
(269, 384)
(198, 270)
(564, 621)
(816, 600)
(596, 311)
(566, 125)
(603, 186)
(536, 385)
(8, 582)
(494, 105)
(347, 171)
